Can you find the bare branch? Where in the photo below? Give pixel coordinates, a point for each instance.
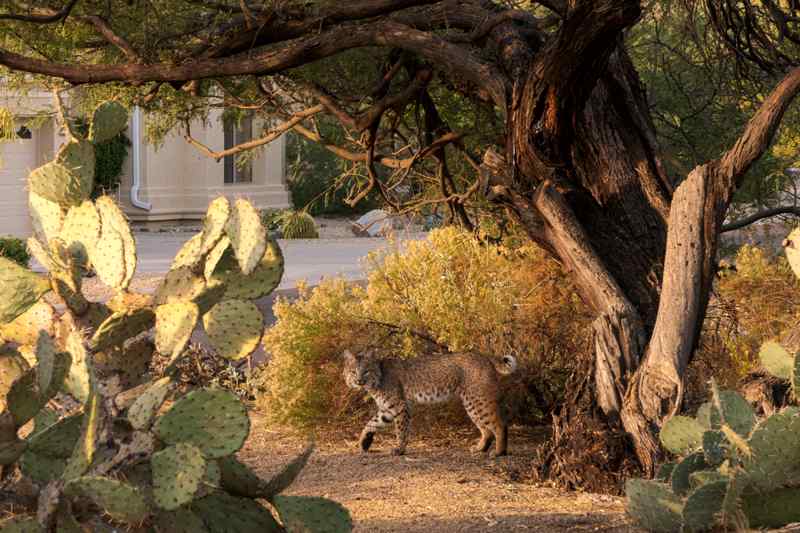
(255, 143)
(760, 215)
(105, 29)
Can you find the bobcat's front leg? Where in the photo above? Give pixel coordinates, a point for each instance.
(380, 420)
(401, 425)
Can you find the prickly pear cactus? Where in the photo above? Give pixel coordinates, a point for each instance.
(138, 454)
(733, 470)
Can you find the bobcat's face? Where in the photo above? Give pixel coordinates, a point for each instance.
(361, 371)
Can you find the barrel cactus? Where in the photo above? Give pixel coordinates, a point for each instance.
(298, 225)
(136, 453)
(732, 470)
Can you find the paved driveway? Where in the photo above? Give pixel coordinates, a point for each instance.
(310, 259)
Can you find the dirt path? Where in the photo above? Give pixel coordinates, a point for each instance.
(438, 487)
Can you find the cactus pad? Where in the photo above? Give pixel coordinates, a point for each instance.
(12, 367)
(772, 509)
(223, 513)
(80, 232)
(732, 409)
(703, 505)
(262, 281)
(212, 419)
(46, 217)
(177, 471)
(791, 245)
(39, 253)
(653, 506)
(146, 406)
(114, 224)
(664, 472)
(26, 327)
(131, 362)
(25, 399)
(308, 513)
(78, 158)
(175, 323)
(85, 448)
(56, 183)
(775, 456)
(221, 250)
(681, 435)
(108, 121)
(713, 451)
(680, 475)
(704, 477)
(234, 328)
(247, 235)
(179, 285)
(120, 327)
(48, 451)
(119, 500)
(776, 360)
(20, 288)
(178, 521)
(189, 255)
(219, 211)
(11, 451)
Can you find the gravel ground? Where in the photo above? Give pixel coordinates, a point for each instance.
(439, 486)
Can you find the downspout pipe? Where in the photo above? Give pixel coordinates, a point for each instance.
(136, 129)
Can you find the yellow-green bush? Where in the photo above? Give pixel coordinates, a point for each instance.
(449, 290)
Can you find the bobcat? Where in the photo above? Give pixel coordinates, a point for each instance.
(393, 383)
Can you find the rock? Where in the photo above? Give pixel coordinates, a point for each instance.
(375, 223)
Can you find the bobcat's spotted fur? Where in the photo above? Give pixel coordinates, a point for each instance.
(394, 383)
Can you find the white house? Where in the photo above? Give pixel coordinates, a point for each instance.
(171, 183)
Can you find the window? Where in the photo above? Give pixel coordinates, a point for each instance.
(237, 132)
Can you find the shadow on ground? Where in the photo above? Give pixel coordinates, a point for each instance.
(438, 487)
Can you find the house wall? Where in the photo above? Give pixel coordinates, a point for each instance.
(179, 181)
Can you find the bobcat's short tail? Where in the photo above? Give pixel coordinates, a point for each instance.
(507, 365)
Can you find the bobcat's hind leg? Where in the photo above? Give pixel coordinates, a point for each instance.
(475, 411)
(501, 440)
(401, 425)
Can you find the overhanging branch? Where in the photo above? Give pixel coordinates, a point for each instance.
(760, 215)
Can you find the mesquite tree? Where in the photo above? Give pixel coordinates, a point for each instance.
(572, 156)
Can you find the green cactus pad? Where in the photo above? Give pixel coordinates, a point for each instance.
(791, 245)
(120, 327)
(704, 477)
(213, 475)
(664, 472)
(223, 513)
(112, 219)
(732, 409)
(108, 258)
(25, 399)
(20, 288)
(776, 360)
(653, 506)
(83, 453)
(702, 506)
(146, 406)
(10, 452)
(178, 521)
(211, 296)
(772, 509)
(237, 479)
(12, 367)
(109, 120)
(47, 217)
(262, 281)
(175, 323)
(78, 380)
(131, 362)
(21, 524)
(46, 358)
(680, 475)
(309, 514)
(177, 472)
(247, 235)
(681, 435)
(79, 159)
(190, 253)
(234, 328)
(48, 451)
(39, 253)
(43, 420)
(222, 249)
(214, 420)
(26, 327)
(179, 285)
(66, 521)
(775, 456)
(713, 450)
(56, 183)
(219, 211)
(119, 500)
(80, 232)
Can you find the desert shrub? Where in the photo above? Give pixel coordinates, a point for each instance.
(447, 292)
(14, 249)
